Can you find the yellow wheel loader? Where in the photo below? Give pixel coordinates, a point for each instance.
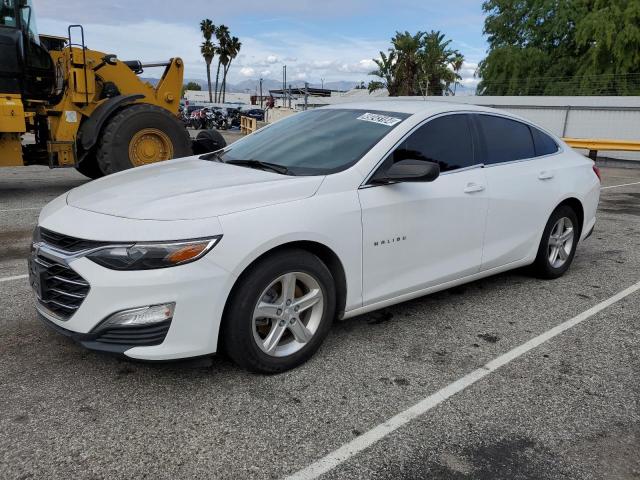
(63, 105)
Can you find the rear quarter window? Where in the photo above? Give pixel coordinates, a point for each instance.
(543, 143)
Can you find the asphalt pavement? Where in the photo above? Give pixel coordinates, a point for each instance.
(566, 409)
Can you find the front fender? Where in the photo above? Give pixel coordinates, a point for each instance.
(90, 128)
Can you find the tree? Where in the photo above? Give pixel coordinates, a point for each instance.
(207, 49)
(222, 34)
(374, 85)
(457, 64)
(232, 49)
(418, 64)
(190, 86)
(561, 47)
(386, 71)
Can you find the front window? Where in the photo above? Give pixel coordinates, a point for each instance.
(29, 20)
(8, 13)
(316, 142)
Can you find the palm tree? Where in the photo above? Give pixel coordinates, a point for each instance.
(407, 68)
(419, 64)
(222, 34)
(207, 49)
(436, 62)
(458, 61)
(386, 69)
(233, 48)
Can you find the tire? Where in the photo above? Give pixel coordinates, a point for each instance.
(246, 340)
(89, 167)
(547, 264)
(208, 141)
(170, 138)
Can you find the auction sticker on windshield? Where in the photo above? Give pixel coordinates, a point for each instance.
(381, 119)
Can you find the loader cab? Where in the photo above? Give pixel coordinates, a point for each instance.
(25, 65)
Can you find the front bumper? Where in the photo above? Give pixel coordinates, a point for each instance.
(112, 341)
(199, 290)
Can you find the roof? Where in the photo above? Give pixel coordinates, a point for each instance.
(407, 106)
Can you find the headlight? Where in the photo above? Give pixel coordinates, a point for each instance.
(147, 256)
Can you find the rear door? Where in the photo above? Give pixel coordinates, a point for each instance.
(520, 167)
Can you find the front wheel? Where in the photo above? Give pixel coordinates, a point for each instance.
(558, 244)
(281, 312)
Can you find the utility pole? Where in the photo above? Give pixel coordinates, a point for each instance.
(306, 95)
(322, 83)
(289, 95)
(284, 85)
(261, 93)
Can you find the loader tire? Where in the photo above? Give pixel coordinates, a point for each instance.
(141, 134)
(208, 141)
(89, 167)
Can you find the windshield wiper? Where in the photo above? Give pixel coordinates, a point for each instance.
(274, 167)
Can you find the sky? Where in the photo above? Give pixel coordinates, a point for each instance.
(323, 39)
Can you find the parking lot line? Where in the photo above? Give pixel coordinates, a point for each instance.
(360, 443)
(15, 277)
(623, 185)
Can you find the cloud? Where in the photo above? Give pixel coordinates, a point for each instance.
(467, 72)
(247, 72)
(312, 49)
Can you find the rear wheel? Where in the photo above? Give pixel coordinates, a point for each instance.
(141, 134)
(558, 244)
(280, 313)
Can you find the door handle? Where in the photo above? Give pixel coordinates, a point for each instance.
(545, 175)
(473, 187)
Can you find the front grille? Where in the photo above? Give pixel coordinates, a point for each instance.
(139, 336)
(67, 243)
(62, 290)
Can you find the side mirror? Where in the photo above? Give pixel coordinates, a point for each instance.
(409, 171)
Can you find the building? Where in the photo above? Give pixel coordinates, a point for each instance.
(201, 97)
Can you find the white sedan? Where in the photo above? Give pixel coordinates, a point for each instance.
(329, 213)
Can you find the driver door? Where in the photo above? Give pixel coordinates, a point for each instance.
(420, 234)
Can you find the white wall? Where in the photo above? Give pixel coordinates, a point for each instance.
(197, 97)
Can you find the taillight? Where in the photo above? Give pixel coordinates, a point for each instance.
(596, 170)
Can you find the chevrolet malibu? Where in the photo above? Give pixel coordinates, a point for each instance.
(330, 213)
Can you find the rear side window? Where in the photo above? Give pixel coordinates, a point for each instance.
(444, 140)
(505, 139)
(543, 143)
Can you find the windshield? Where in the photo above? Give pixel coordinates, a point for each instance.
(29, 18)
(316, 142)
(7, 13)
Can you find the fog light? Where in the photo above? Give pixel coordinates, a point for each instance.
(139, 317)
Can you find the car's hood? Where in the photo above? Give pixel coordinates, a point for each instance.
(189, 189)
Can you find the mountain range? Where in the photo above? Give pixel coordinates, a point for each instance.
(253, 85)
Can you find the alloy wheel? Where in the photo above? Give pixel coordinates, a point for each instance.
(561, 242)
(288, 314)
